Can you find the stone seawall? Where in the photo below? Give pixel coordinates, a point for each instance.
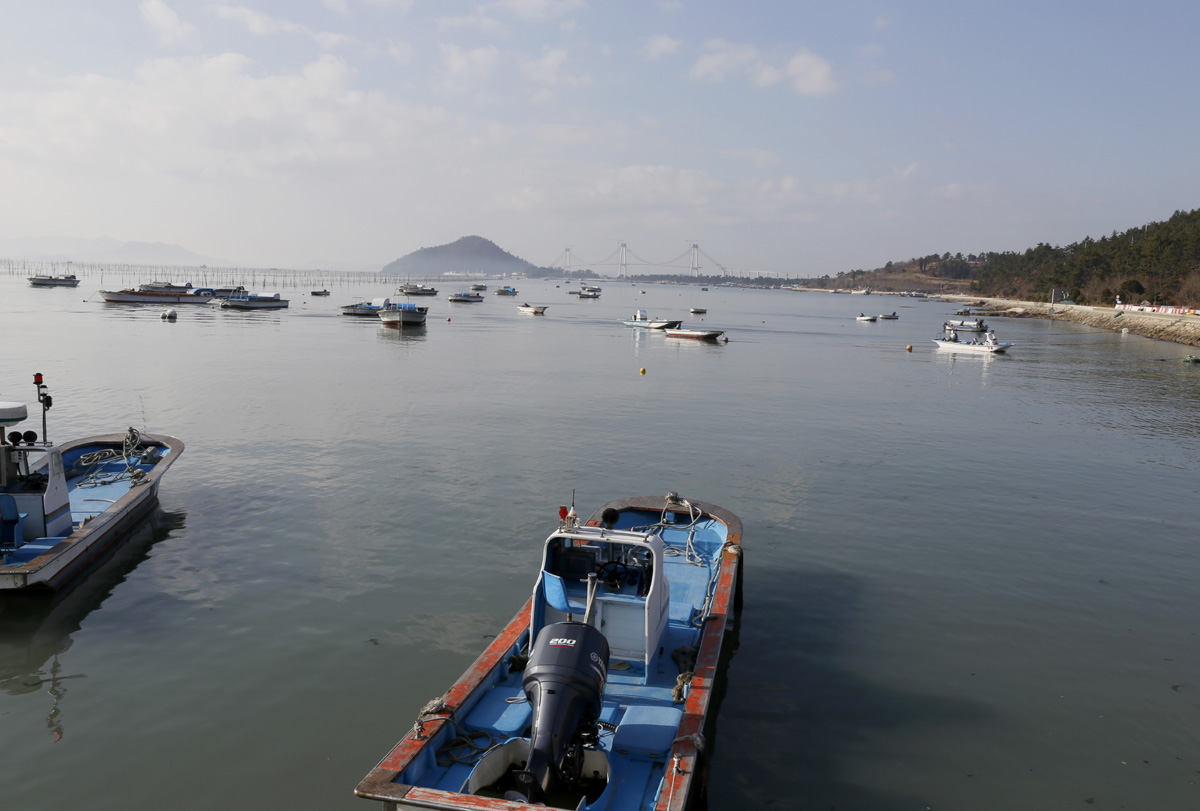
(1180, 329)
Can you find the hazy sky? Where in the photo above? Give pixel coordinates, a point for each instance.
(796, 137)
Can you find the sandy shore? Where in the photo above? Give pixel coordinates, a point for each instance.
(1180, 329)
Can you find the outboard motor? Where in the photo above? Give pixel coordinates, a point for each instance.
(564, 682)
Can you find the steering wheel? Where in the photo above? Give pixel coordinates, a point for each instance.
(613, 573)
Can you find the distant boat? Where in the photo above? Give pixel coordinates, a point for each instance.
(255, 301)
(165, 287)
(462, 298)
(533, 309)
(368, 309)
(975, 325)
(695, 334)
(949, 341)
(54, 281)
(698, 311)
(479, 287)
(403, 314)
(506, 291)
(319, 293)
(200, 295)
(861, 317)
(891, 317)
(643, 321)
(589, 294)
(416, 290)
(1191, 359)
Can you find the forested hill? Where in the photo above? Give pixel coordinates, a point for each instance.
(464, 255)
(1160, 261)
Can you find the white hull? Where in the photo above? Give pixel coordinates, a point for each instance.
(404, 318)
(965, 346)
(53, 281)
(136, 297)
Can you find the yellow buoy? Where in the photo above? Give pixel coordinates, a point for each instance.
(643, 371)
(908, 348)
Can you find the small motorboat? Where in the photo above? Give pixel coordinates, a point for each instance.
(695, 334)
(415, 289)
(319, 293)
(1191, 359)
(465, 297)
(967, 325)
(365, 308)
(589, 294)
(479, 287)
(861, 317)
(597, 693)
(254, 301)
(885, 317)
(698, 310)
(533, 309)
(642, 321)
(62, 507)
(54, 281)
(198, 295)
(988, 345)
(506, 291)
(403, 314)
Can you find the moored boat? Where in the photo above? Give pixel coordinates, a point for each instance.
(403, 314)
(478, 287)
(416, 290)
(963, 325)
(198, 295)
(362, 307)
(319, 293)
(861, 317)
(465, 297)
(533, 309)
(63, 507)
(68, 280)
(507, 290)
(596, 694)
(695, 334)
(988, 345)
(886, 317)
(255, 301)
(643, 321)
(698, 310)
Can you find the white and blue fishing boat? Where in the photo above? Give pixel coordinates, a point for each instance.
(506, 290)
(362, 307)
(64, 507)
(255, 301)
(598, 693)
(465, 297)
(403, 314)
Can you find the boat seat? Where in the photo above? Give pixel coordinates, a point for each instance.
(556, 595)
(648, 731)
(12, 523)
(496, 714)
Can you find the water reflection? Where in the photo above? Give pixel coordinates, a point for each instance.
(37, 628)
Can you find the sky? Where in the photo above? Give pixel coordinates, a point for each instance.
(790, 138)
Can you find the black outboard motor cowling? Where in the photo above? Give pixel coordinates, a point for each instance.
(564, 682)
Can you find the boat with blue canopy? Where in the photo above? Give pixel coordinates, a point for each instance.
(64, 507)
(598, 693)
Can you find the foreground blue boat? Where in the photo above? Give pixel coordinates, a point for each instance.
(598, 693)
(63, 507)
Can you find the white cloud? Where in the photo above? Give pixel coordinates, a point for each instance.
(264, 25)
(462, 69)
(541, 10)
(660, 46)
(479, 21)
(164, 20)
(547, 70)
(401, 52)
(809, 74)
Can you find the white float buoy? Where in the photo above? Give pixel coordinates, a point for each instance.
(169, 315)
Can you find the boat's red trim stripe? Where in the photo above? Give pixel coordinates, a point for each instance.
(408, 748)
(677, 782)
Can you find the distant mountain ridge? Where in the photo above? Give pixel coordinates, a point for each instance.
(465, 255)
(103, 250)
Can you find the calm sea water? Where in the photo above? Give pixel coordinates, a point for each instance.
(970, 583)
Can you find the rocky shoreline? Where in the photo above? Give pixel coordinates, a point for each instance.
(1180, 329)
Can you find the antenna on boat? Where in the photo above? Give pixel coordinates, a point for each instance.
(45, 399)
